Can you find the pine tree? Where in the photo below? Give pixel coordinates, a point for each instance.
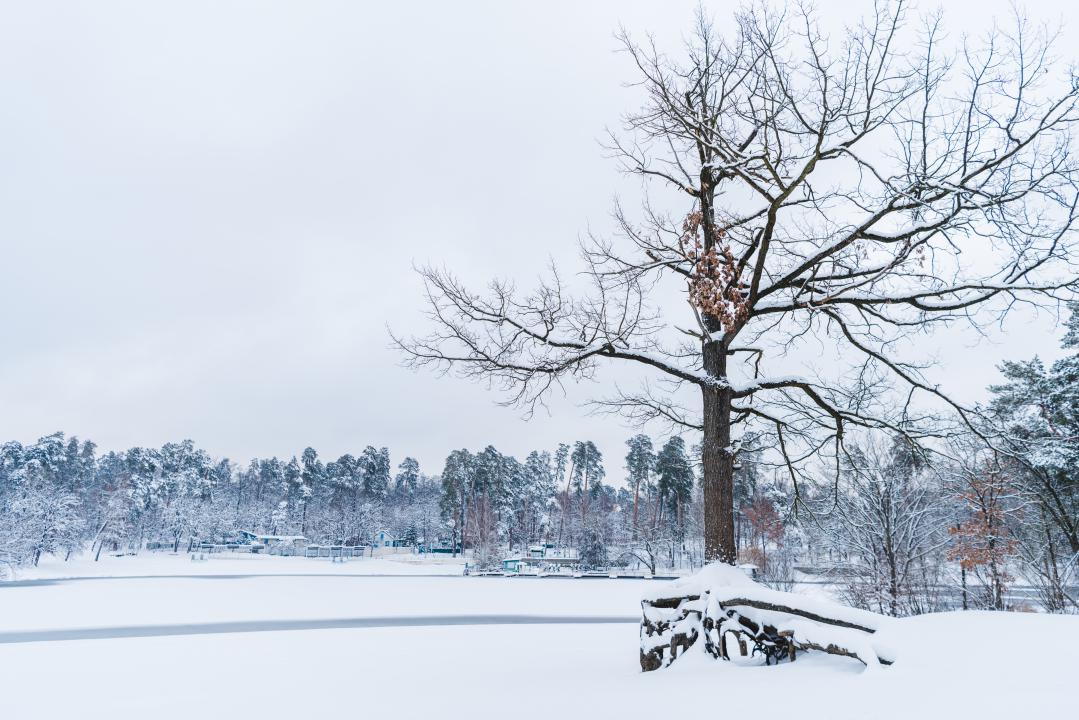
(311, 477)
(675, 480)
(1037, 411)
(375, 466)
(587, 473)
(539, 498)
(593, 553)
(294, 495)
(561, 464)
(640, 461)
(408, 478)
(487, 495)
(453, 504)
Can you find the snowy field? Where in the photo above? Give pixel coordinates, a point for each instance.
(219, 639)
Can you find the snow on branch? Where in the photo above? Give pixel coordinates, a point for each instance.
(808, 197)
(530, 343)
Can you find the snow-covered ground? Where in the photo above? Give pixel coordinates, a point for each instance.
(954, 665)
(306, 593)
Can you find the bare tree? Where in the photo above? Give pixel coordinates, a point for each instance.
(825, 197)
(1046, 562)
(889, 518)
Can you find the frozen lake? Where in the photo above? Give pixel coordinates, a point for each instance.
(223, 642)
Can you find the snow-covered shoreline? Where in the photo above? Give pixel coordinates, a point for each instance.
(171, 564)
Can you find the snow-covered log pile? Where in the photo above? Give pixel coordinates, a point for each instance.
(731, 614)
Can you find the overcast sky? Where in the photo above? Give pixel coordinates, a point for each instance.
(209, 212)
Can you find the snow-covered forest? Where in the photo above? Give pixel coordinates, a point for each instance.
(480, 359)
(902, 531)
(61, 496)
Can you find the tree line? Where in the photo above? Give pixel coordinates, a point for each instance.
(60, 496)
(896, 527)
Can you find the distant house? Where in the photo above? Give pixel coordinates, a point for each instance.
(541, 558)
(385, 539)
(275, 544)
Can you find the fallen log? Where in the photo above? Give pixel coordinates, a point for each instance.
(790, 610)
(721, 603)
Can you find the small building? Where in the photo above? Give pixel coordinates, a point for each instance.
(514, 565)
(541, 559)
(275, 544)
(384, 539)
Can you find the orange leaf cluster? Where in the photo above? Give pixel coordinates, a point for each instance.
(713, 287)
(981, 540)
(762, 517)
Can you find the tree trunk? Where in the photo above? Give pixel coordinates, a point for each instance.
(717, 462)
(655, 512)
(462, 516)
(963, 576)
(584, 500)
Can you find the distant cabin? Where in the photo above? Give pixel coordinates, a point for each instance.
(541, 558)
(283, 543)
(384, 539)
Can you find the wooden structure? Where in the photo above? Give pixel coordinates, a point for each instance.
(334, 551)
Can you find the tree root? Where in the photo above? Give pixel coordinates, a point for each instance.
(670, 626)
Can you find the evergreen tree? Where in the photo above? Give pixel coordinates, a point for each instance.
(640, 461)
(487, 495)
(1038, 408)
(453, 504)
(561, 463)
(311, 477)
(375, 466)
(675, 480)
(593, 551)
(294, 495)
(539, 495)
(587, 473)
(345, 481)
(408, 478)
